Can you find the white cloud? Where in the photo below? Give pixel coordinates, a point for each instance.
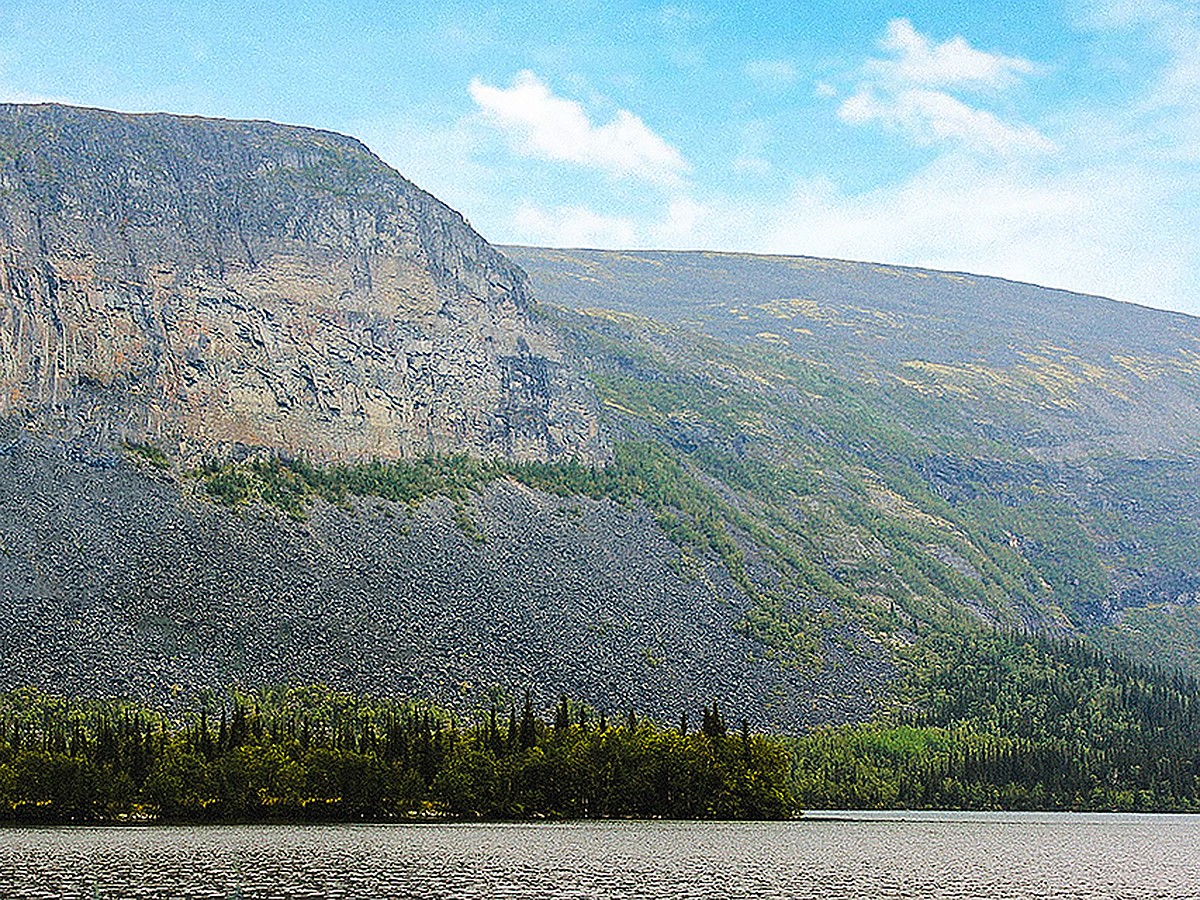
(546, 126)
(903, 95)
(773, 74)
(943, 216)
(954, 63)
(929, 117)
(1104, 230)
(573, 226)
(751, 157)
(673, 225)
(684, 217)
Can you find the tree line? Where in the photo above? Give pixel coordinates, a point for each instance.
(990, 720)
(1009, 720)
(316, 755)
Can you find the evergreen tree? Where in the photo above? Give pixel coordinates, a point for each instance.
(528, 724)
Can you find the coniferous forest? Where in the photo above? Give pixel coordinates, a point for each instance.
(311, 754)
(1015, 721)
(1006, 721)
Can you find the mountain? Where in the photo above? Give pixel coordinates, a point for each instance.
(1057, 374)
(202, 283)
(1036, 433)
(180, 294)
(271, 413)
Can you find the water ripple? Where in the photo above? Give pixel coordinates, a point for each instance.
(940, 857)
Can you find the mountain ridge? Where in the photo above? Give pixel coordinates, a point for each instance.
(971, 337)
(848, 261)
(781, 481)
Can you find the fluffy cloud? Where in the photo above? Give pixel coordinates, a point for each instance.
(674, 225)
(930, 117)
(954, 63)
(573, 226)
(540, 124)
(910, 93)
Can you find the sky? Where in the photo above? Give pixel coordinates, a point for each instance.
(1051, 141)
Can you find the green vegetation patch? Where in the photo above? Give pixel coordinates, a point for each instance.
(291, 484)
(309, 754)
(150, 453)
(1015, 721)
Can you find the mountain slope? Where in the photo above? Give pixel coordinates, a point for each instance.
(270, 412)
(178, 295)
(117, 578)
(1060, 375)
(1024, 453)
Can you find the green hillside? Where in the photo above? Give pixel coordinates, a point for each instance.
(1029, 465)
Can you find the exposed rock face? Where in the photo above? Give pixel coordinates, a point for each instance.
(215, 283)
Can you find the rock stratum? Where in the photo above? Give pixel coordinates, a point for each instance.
(204, 284)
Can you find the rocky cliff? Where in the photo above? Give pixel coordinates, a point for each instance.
(204, 284)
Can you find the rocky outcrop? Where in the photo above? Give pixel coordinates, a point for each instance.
(203, 283)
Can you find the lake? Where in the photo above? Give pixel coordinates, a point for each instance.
(824, 855)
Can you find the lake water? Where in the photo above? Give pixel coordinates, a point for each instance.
(824, 855)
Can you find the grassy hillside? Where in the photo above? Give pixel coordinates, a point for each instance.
(912, 447)
(1061, 375)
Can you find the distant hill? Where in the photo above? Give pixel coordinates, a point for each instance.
(1060, 374)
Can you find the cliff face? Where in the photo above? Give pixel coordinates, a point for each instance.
(202, 283)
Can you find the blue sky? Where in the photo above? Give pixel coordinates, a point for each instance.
(1053, 142)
